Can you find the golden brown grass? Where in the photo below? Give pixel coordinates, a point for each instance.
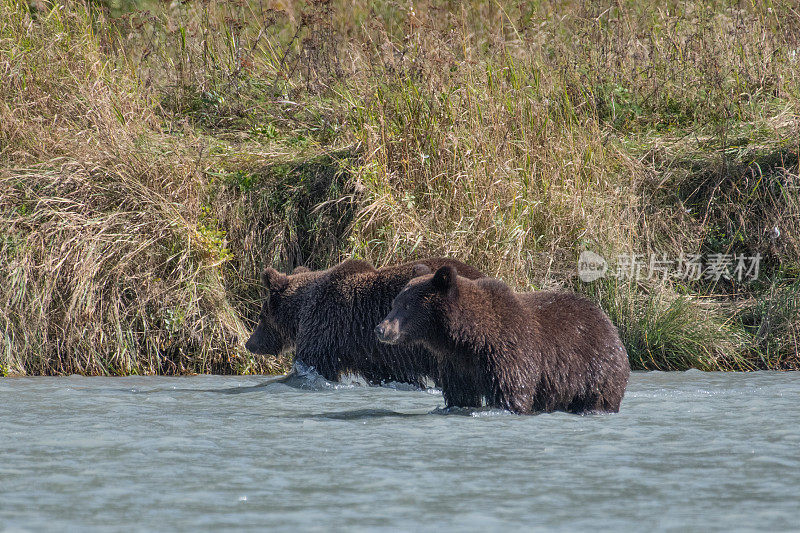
(152, 162)
(106, 268)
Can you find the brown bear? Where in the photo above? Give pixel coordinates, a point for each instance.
(276, 331)
(524, 352)
(328, 317)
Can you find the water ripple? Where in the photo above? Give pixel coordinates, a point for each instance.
(693, 450)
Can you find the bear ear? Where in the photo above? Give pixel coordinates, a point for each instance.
(420, 269)
(273, 280)
(445, 278)
(300, 270)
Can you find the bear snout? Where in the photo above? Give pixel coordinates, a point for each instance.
(380, 330)
(386, 333)
(250, 345)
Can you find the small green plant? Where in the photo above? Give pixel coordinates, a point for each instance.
(211, 238)
(267, 131)
(245, 181)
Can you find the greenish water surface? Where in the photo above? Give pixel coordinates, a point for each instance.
(703, 451)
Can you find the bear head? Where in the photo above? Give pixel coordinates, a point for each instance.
(417, 311)
(277, 323)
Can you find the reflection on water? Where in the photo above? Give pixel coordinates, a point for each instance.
(699, 450)
(360, 414)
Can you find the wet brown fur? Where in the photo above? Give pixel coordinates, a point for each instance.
(525, 352)
(328, 317)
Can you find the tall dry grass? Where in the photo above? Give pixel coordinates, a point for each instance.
(107, 267)
(155, 157)
(517, 136)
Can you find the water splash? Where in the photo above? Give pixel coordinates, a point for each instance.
(306, 377)
(474, 412)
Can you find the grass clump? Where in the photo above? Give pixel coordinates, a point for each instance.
(664, 330)
(773, 320)
(107, 264)
(153, 158)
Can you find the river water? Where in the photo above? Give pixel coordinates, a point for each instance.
(703, 451)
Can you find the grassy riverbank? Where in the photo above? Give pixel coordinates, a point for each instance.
(152, 162)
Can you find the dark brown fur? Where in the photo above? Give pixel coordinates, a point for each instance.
(328, 317)
(525, 352)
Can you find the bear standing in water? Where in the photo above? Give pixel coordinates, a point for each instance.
(328, 317)
(524, 352)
